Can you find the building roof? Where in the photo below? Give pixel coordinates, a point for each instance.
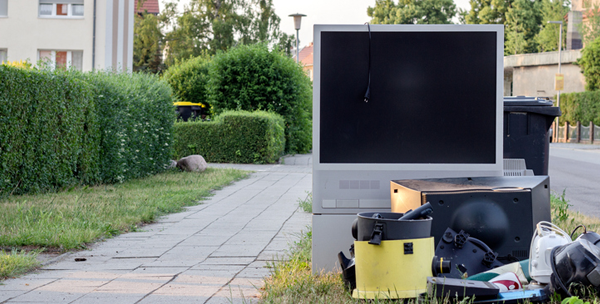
(150, 6)
(306, 55)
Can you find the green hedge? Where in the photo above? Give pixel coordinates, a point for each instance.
(135, 115)
(234, 136)
(48, 131)
(580, 106)
(252, 77)
(61, 128)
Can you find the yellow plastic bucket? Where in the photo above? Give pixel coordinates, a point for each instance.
(394, 269)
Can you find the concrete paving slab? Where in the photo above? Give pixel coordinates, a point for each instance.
(244, 290)
(26, 283)
(210, 270)
(6, 295)
(172, 263)
(215, 252)
(104, 298)
(161, 299)
(43, 296)
(202, 239)
(239, 250)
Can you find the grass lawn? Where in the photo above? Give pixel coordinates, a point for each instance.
(292, 281)
(73, 218)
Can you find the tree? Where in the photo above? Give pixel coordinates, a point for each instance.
(217, 25)
(547, 37)
(521, 27)
(590, 30)
(590, 65)
(264, 25)
(488, 11)
(205, 25)
(412, 12)
(147, 44)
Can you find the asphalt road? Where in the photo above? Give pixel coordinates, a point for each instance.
(576, 169)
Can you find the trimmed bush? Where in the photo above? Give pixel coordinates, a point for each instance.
(250, 77)
(234, 136)
(62, 128)
(580, 106)
(135, 116)
(189, 78)
(48, 131)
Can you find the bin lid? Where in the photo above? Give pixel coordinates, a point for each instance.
(526, 101)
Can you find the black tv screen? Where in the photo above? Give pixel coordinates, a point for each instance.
(432, 97)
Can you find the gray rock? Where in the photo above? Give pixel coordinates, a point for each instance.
(172, 164)
(192, 163)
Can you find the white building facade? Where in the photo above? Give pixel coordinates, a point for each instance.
(80, 34)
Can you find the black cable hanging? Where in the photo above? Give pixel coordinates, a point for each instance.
(368, 93)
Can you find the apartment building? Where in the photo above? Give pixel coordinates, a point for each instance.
(80, 34)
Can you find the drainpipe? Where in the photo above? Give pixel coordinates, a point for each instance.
(94, 40)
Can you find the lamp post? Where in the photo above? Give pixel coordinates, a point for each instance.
(555, 132)
(297, 20)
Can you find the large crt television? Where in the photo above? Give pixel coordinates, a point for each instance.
(433, 109)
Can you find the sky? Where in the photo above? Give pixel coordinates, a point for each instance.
(323, 12)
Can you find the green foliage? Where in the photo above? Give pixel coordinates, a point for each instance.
(234, 136)
(522, 25)
(573, 300)
(526, 27)
(189, 78)
(590, 65)
(590, 30)
(212, 26)
(16, 262)
(412, 12)
(547, 37)
(71, 219)
(62, 128)
(48, 131)
(580, 106)
(135, 116)
(560, 206)
(147, 44)
(488, 11)
(253, 78)
(306, 203)
(264, 23)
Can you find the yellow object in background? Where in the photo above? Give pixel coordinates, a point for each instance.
(389, 271)
(559, 82)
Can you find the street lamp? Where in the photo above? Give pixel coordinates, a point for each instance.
(555, 132)
(297, 20)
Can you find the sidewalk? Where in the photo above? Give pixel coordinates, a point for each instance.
(216, 252)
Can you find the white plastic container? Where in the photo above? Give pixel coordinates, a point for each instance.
(545, 238)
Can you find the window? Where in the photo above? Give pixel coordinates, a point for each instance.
(60, 8)
(3, 8)
(62, 59)
(2, 56)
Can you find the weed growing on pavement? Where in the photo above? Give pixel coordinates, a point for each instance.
(292, 281)
(567, 219)
(306, 204)
(71, 219)
(17, 262)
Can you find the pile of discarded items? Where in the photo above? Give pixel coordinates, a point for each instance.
(489, 260)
